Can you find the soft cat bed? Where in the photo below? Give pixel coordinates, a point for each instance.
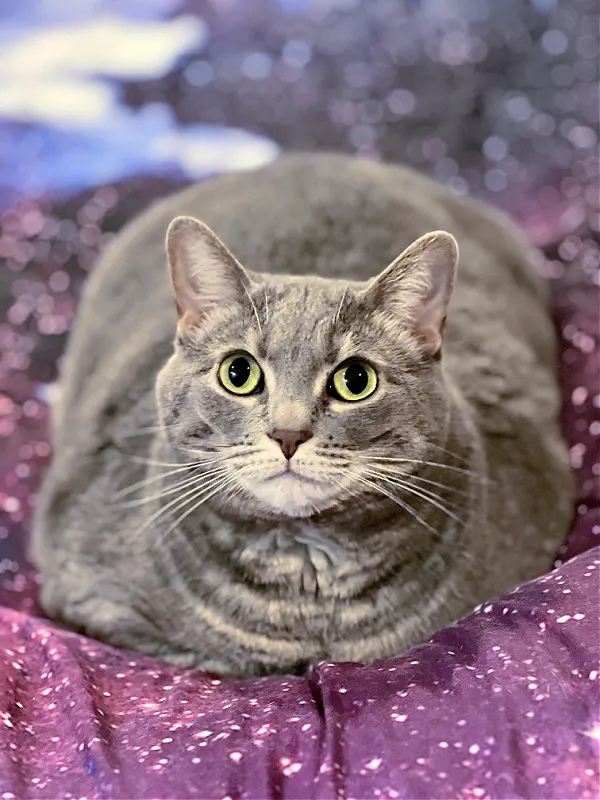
(503, 704)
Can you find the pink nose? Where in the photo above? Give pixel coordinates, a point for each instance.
(289, 441)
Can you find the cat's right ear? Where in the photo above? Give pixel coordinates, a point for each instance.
(205, 274)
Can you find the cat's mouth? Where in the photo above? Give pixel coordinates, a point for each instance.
(290, 474)
(291, 493)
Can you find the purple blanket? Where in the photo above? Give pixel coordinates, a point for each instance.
(502, 705)
(499, 99)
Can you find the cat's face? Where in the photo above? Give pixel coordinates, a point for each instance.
(294, 394)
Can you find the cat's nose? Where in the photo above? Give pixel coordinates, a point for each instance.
(289, 441)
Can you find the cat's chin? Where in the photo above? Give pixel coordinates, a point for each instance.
(292, 495)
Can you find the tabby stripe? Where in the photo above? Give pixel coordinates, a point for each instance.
(253, 641)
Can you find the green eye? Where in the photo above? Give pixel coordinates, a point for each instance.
(240, 374)
(354, 381)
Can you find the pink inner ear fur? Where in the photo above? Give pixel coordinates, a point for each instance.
(431, 314)
(419, 283)
(431, 336)
(204, 273)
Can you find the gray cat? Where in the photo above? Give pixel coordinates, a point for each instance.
(260, 466)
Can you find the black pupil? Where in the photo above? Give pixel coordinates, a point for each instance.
(356, 378)
(239, 372)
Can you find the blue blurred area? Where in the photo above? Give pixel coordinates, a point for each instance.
(493, 99)
(35, 13)
(64, 124)
(45, 160)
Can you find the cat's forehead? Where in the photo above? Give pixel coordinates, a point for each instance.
(300, 324)
(302, 319)
(298, 293)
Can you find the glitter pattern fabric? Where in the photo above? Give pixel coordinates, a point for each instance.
(497, 99)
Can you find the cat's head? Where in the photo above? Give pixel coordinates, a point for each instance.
(296, 394)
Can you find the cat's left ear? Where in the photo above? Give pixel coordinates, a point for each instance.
(417, 286)
(205, 275)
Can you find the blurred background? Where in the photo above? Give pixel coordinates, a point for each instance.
(106, 105)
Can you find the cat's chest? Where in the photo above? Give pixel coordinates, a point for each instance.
(297, 557)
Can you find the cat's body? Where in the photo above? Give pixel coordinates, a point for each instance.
(253, 580)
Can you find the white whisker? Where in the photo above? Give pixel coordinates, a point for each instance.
(163, 509)
(341, 305)
(346, 489)
(384, 469)
(139, 484)
(254, 308)
(152, 463)
(150, 429)
(266, 307)
(396, 500)
(231, 451)
(424, 494)
(416, 461)
(170, 489)
(232, 479)
(445, 450)
(148, 480)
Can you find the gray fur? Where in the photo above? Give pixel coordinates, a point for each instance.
(336, 570)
